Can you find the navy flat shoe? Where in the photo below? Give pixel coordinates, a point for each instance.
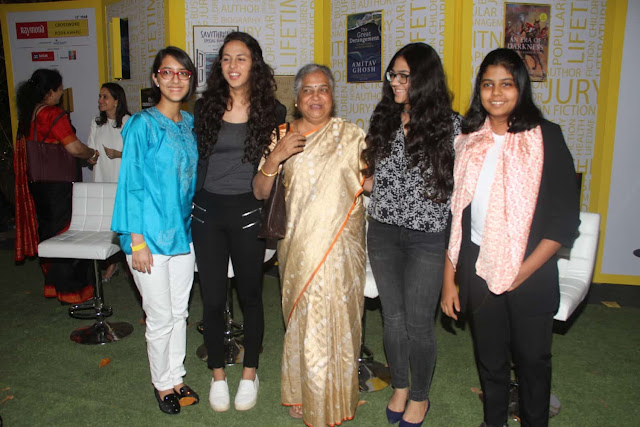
(404, 423)
(393, 416)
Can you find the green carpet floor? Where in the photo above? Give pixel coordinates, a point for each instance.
(48, 380)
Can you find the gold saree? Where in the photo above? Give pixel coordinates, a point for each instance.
(322, 273)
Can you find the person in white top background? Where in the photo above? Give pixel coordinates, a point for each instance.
(105, 137)
(105, 132)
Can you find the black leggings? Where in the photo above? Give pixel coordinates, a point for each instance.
(227, 226)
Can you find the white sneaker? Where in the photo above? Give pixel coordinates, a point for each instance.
(247, 394)
(219, 395)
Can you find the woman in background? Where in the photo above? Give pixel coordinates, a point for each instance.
(410, 156)
(105, 134)
(514, 204)
(234, 121)
(105, 137)
(48, 201)
(322, 257)
(152, 215)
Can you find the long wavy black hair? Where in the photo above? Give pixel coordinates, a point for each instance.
(33, 91)
(525, 115)
(117, 92)
(217, 99)
(430, 128)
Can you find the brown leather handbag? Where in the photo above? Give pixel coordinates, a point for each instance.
(274, 211)
(49, 162)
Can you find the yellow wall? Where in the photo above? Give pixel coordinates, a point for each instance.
(605, 130)
(174, 23)
(458, 48)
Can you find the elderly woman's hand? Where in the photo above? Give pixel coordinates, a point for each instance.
(292, 143)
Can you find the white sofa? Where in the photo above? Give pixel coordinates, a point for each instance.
(575, 266)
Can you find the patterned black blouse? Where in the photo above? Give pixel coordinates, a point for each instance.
(398, 197)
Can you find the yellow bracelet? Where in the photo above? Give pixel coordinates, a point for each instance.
(138, 247)
(270, 175)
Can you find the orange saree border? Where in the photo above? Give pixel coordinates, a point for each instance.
(326, 254)
(288, 405)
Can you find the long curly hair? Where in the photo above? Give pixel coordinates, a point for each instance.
(430, 128)
(117, 92)
(33, 91)
(217, 99)
(525, 115)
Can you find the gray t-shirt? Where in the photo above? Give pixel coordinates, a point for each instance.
(227, 173)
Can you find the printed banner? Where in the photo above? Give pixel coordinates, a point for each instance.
(65, 40)
(284, 28)
(364, 47)
(52, 29)
(526, 31)
(207, 41)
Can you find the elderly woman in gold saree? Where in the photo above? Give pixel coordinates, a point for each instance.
(322, 256)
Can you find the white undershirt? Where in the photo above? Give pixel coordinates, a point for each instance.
(480, 202)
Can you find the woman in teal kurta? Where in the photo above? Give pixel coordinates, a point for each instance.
(152, 215)
(159, 182)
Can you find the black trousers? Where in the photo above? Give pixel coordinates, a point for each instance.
(503, 333)
(226, 226)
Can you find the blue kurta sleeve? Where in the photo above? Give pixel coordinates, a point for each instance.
(129, 204)
(156, 183)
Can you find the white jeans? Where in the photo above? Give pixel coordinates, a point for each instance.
(165, 299)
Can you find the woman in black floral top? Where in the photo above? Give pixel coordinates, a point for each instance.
(409, 155)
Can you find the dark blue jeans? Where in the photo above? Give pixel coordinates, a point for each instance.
(408, 267)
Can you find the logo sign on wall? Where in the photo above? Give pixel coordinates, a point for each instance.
(364, 47)
(42, 56)
(207, 41)
(52, 29)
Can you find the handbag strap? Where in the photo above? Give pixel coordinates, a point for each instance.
(286, 131)
(35, 126)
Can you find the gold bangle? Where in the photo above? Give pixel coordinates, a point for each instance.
(270, 175)
(95, 155)
(138, 247)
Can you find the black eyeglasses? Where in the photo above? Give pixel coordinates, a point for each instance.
(167, 74)
(402, 78)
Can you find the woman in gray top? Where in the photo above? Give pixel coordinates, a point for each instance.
(234, 121)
